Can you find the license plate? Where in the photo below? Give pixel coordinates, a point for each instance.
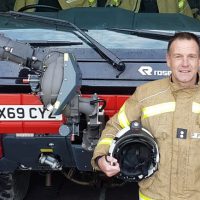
(26, 113)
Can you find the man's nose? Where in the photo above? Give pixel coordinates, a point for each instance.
(185, 62)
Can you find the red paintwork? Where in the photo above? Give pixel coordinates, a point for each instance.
(26, 126)
(114, 102)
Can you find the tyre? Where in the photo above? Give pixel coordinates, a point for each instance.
(14, 186)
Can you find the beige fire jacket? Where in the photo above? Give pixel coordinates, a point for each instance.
(65, 4)
(164, 6)
(172, 115)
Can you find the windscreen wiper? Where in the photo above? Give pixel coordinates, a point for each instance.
(159, 35)
(110, 57)
(151, 34)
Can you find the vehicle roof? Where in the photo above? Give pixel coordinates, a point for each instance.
(101, 18)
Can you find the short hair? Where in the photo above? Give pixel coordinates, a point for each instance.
(183, 36)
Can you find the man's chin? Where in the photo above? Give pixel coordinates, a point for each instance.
(186, 82)
(185, 78)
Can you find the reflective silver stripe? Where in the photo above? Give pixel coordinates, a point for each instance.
(107, 141)
(123, 121)
(195, 107)
(158, 109)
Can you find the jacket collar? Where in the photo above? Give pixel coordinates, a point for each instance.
(176, 87)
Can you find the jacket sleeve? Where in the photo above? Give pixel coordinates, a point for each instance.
(131, 110)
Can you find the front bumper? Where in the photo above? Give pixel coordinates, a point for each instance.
(24, 153)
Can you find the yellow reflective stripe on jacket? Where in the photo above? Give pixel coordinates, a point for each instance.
(123, 121)
(195, 107)
(115, 2)
(107, 141)
(143, 197)
(181, 4)
(91, 2)
(158, 109)
(66, 4)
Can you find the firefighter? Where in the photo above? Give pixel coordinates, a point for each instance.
(170, 109)
(161, 6)
(60, 4)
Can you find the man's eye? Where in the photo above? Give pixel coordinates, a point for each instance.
(192, 56)
(177, 56)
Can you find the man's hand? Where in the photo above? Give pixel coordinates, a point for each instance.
(108, 165)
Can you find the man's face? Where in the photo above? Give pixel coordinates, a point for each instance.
(183, 59)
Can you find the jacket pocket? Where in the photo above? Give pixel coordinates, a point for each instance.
(162, 136)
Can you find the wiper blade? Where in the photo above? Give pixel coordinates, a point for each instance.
(110, 57)
(159, 35)
(42, 43)
(151, 34)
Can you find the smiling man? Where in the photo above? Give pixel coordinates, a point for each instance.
(183, 59)
(170, 110)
